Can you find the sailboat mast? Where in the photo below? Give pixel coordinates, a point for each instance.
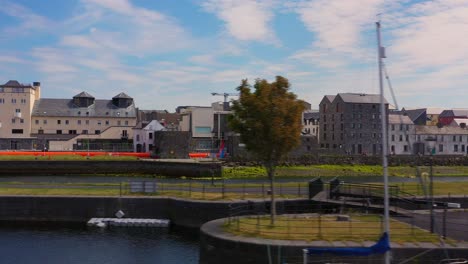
(383, 118)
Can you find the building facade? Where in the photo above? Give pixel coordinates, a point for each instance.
(401, 133)
(143, 135)
(350, 123)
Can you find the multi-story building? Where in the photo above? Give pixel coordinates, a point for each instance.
(68, 124)
(310, 123)
(144, 135)
(400, 134)
(350, 123)
(16, 104)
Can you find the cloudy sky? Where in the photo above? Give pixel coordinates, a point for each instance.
(167, 53)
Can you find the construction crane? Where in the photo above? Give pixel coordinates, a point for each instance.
(226, 95)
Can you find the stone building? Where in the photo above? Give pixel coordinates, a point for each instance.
(401, 133)
(350, 123)
(448, 140)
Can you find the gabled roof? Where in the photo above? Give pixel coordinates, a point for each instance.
(414, 114)
(122, 95)
(83, 95)
(361, 98)
(399, 119)
(14, 83)
(310, 115)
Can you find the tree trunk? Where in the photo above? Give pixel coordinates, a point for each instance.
(271, 173)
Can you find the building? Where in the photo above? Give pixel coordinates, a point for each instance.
(169, 120)
(350, 123)
(84, 122)
(447, 116)
(448, 140)
(401, 133)
(143, 135)
(16, 104)
(310, 123)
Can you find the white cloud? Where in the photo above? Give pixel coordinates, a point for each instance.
(245, 20)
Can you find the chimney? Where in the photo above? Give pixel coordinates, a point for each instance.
(37, 87)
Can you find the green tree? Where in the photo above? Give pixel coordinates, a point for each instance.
(269, 122)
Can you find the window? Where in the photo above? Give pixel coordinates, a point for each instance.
(150, 135)
(44, 121)
(85, 132)
(405, 148)
(107, 122)
(59, 122)
(407, 127)
(441, 148)
(17, 110)
(333, 127)
(17, 131)
(40, 131)
(401, 137)
(119, 123)
(454, 138)
(13, 101)
(23, 101)
(462, 148)
(202, 130)
(78, 122)
(72, 132)
(393, 137)
(99, 122)
(87, 122)
(137, 137)
(359, 125)
(97, 132)
(441, 138)
(455, 148)
(407, 137)
(59, 132)
(36, 122)
(2, 100)
(22, 121)
(353, 125)
(13, 120)
(401, 127)
(460, 138)
(124, 134)
(374, 135)
(67, 122)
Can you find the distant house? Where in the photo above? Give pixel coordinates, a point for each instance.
(143, 135)
(447, 116)
(459, 122)
(310, 123)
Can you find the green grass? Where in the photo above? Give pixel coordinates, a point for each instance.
(309, 228)
(342, 171)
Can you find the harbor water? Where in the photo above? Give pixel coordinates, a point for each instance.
(73, 245)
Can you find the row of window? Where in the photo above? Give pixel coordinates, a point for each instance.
(13, 101)
(401, 138)
(150, 136)
(70, 132)
(79, 122)
(401, 127)
(455, 138)
(13, 90)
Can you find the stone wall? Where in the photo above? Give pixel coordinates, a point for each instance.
(172, 144)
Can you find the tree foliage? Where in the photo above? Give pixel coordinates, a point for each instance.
(269, 122)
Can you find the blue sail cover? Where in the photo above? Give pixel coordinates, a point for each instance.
(382, 246)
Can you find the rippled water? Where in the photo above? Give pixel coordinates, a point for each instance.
(82, 245)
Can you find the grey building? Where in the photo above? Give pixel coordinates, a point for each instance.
(350, 123)
(400, 134)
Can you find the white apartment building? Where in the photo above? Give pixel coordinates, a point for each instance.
(400, 134)
(143, 135)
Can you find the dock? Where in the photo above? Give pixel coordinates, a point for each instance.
(128, 222)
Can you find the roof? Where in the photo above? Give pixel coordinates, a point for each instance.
(311, 115)
(65, 107)
(83, 95)
(330, 97)
(361, 98)
(14, 83)
(122, 95)
(446, 130)
(414, 113)
(458, 121)
(399, 119)
(434, 110)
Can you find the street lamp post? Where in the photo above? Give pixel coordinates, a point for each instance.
(431, 141)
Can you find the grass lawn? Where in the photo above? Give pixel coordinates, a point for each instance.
(342, 170)
(309, 228)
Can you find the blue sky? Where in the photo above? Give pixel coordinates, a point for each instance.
(167, 53)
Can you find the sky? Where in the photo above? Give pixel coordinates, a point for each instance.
(169, 53)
